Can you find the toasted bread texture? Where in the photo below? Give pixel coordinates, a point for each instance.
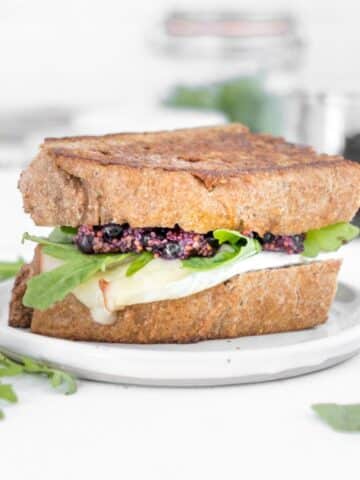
(265, 301)
(201, 179)
(19, 315)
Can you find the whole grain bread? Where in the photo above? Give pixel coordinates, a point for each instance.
(19, 315)
(201, 179)
(265, 301)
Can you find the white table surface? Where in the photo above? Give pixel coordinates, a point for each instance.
(109, 431)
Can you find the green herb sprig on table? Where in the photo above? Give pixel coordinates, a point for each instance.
(26, 365)
(342, 418)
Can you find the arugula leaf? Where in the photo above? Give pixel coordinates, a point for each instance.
(140, 261)
(50, 287)
(47, 288)
(56, 377)
(50, 243)
(7, 393)
(328, 239)
(62, 251)
(343, 418)
(237, 245)
(230, 236)
(10, 269)
(26, 365)
(63, 234)
(9, 368)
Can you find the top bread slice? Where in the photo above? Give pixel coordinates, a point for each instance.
(201, 179)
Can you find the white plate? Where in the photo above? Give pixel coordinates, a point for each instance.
(217, 362)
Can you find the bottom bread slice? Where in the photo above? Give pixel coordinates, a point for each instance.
(253, 303)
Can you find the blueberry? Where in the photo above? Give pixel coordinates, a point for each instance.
(85, 244)
(268, 237)
(172, 250)
(146, 239)
(213, 242)
(160, 232)
(112, 230)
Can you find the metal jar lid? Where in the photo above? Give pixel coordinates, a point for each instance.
(274, 37)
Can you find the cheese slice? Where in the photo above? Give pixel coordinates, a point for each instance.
(110, 291)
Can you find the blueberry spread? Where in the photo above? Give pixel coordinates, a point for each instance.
(291, 244)
(170, 243)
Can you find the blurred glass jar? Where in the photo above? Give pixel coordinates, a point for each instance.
(329, 122)
(235, 62)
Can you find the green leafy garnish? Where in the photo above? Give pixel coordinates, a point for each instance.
(140, 261)
(63, 234)
(62, 251)
(47, 288)
(234, 246)
(10, 269)
(329, 239)
(50, 287)
(26, 365)
(343, 418)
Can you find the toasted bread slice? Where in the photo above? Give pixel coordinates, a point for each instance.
(201, 179)
(265, 301)
(19, 315)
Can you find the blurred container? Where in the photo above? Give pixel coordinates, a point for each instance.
(17, 126)
(329, 122)
(232, 61)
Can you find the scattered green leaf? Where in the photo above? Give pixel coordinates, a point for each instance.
(140, 261)
(7, 393)
(56, 377)
(329, 239)
(343, 418)
(8, 368)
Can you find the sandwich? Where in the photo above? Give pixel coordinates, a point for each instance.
(182, 236)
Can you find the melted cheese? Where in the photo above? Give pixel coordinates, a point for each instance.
(107, 292)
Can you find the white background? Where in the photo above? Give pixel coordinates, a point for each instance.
(80, 52)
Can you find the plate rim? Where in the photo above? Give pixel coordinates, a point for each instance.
(320, 349)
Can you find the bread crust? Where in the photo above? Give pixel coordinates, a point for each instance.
(265, 301)
(19, 315)
(201, 179)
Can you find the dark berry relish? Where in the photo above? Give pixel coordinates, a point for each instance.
(291, 244)
(170, 243)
